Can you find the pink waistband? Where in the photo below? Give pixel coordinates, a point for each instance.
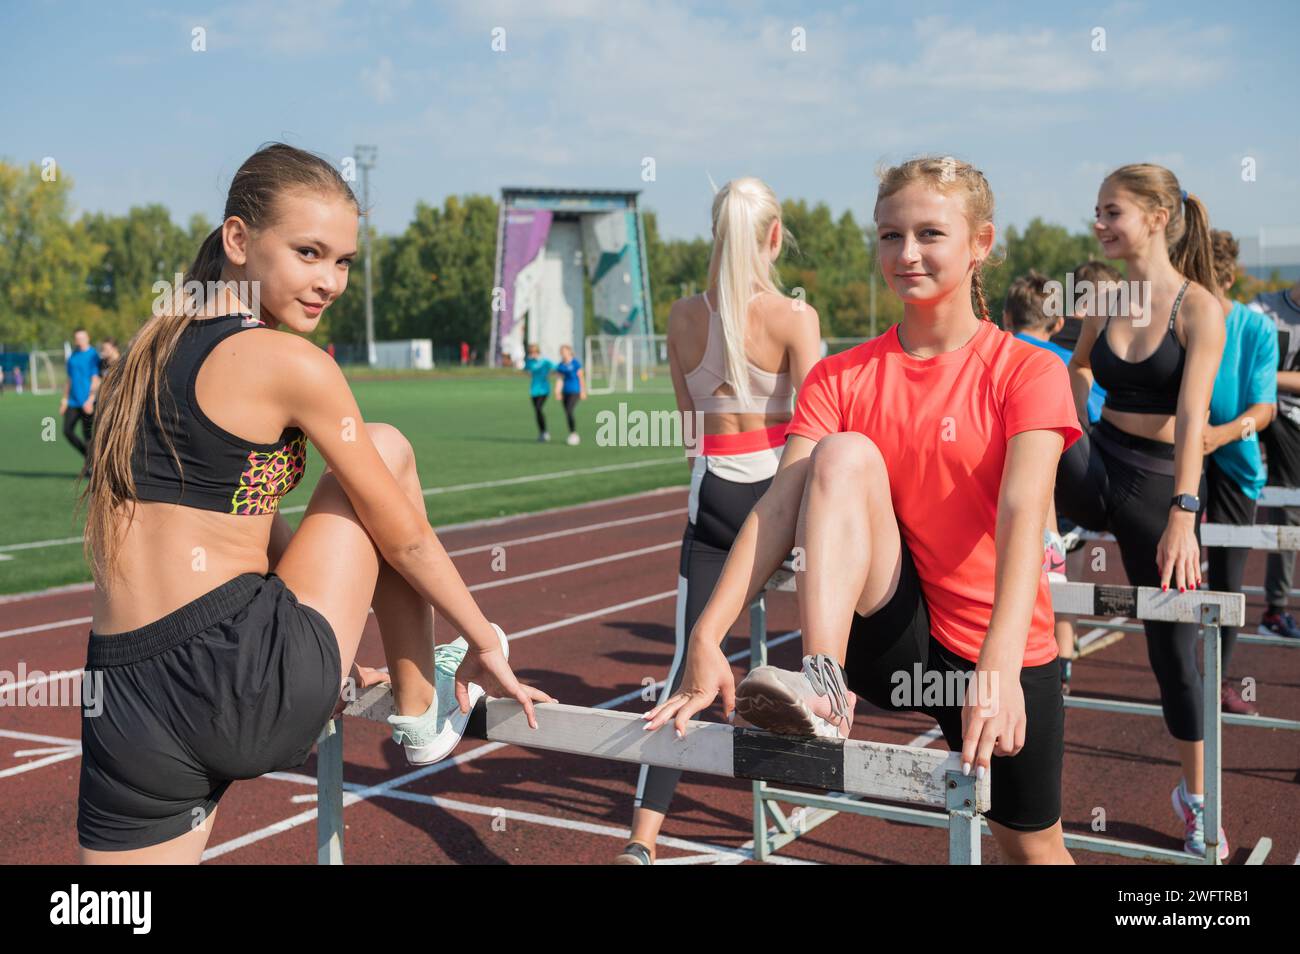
(746, 442)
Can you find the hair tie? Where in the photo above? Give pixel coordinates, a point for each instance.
(1184, 195)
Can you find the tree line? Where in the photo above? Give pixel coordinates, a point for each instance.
(434, 280)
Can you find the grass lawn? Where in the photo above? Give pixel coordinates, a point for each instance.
(466, 428)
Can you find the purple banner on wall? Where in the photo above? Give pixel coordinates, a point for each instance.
(526, 232)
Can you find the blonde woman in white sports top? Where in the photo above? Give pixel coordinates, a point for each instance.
(737, 353)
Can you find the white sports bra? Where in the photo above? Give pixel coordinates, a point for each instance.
(770, 393)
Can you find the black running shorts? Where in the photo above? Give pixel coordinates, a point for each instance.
(1026, 787)
(235, 684)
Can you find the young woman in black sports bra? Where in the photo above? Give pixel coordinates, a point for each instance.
(1139, 472)
(221, 635)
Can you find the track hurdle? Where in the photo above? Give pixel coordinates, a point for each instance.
(909, 774)
(1279, 497)
(1256, 537)
(1208, 609)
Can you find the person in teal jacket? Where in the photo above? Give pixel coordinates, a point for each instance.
(541, 369)
(1243, 403)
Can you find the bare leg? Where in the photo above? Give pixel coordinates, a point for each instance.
(184, 849)
(645, 827)
(848, 536)
(1192, 755)
(1046, 847)
(332, 565)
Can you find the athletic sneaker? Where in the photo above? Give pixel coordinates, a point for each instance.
(1072, 539)
(812, 702)
(634, 854)
(572, 439)
(543, 437)
(1192, 814)
(1278, 624)
(432, 736)
(1230, 700)
(1054, 556)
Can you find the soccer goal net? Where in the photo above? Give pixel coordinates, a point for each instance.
(622, 363)
(45, 373)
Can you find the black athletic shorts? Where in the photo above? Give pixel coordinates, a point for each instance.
(1026, 788)
(235, 684)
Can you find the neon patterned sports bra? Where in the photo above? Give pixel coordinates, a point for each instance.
(222, 472)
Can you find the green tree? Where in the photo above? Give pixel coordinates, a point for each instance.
(44, 259)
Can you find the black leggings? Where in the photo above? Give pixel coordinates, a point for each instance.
(1099, 491)
(570, 402)
(538, 401)
(71, 417)
(1227, 504)
(719, 508)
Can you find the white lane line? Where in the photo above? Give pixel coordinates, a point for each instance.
(571, 567)
(40, 763)
(428, 492)
(531, 478)
(15, 687)
(38, 544)
(357, 794)
(519, 541)
(32, 737)
(486, 585)
(43, 627)
(446, 528)
(1093, 635)
(28, 753)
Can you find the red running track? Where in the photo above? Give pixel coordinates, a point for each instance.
(590, 612)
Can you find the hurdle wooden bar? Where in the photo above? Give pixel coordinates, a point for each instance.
(1279, 497)
(1227, 535)
(910, 774)
(1208, 609)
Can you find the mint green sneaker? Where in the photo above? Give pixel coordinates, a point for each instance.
(430, 737)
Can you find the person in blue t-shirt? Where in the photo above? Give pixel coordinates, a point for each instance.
(78, 404)
(572, 388)
(540, 368)
(1243, 403)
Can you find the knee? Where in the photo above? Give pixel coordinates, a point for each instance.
(393, 446)
(1032, 848)
(848, 456)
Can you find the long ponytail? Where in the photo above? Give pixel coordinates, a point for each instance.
(743, 212)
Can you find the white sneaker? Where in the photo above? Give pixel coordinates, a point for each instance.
(572, 439)
(432, 736)
(782, 701)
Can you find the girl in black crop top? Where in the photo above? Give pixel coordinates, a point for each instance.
(1139, 473)
(223, 633)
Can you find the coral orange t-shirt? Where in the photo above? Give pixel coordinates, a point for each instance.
(942, 425)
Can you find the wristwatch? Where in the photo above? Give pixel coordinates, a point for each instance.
(1189, 502)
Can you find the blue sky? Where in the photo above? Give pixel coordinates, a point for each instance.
(586, 90)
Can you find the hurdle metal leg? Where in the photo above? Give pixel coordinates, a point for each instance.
(965, 826)
(758, 657)
(1212, 730)
(329, 794)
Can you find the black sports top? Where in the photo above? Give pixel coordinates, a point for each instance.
(1142, 387)
(221, 471)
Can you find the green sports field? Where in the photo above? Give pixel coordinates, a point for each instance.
(467, 429)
